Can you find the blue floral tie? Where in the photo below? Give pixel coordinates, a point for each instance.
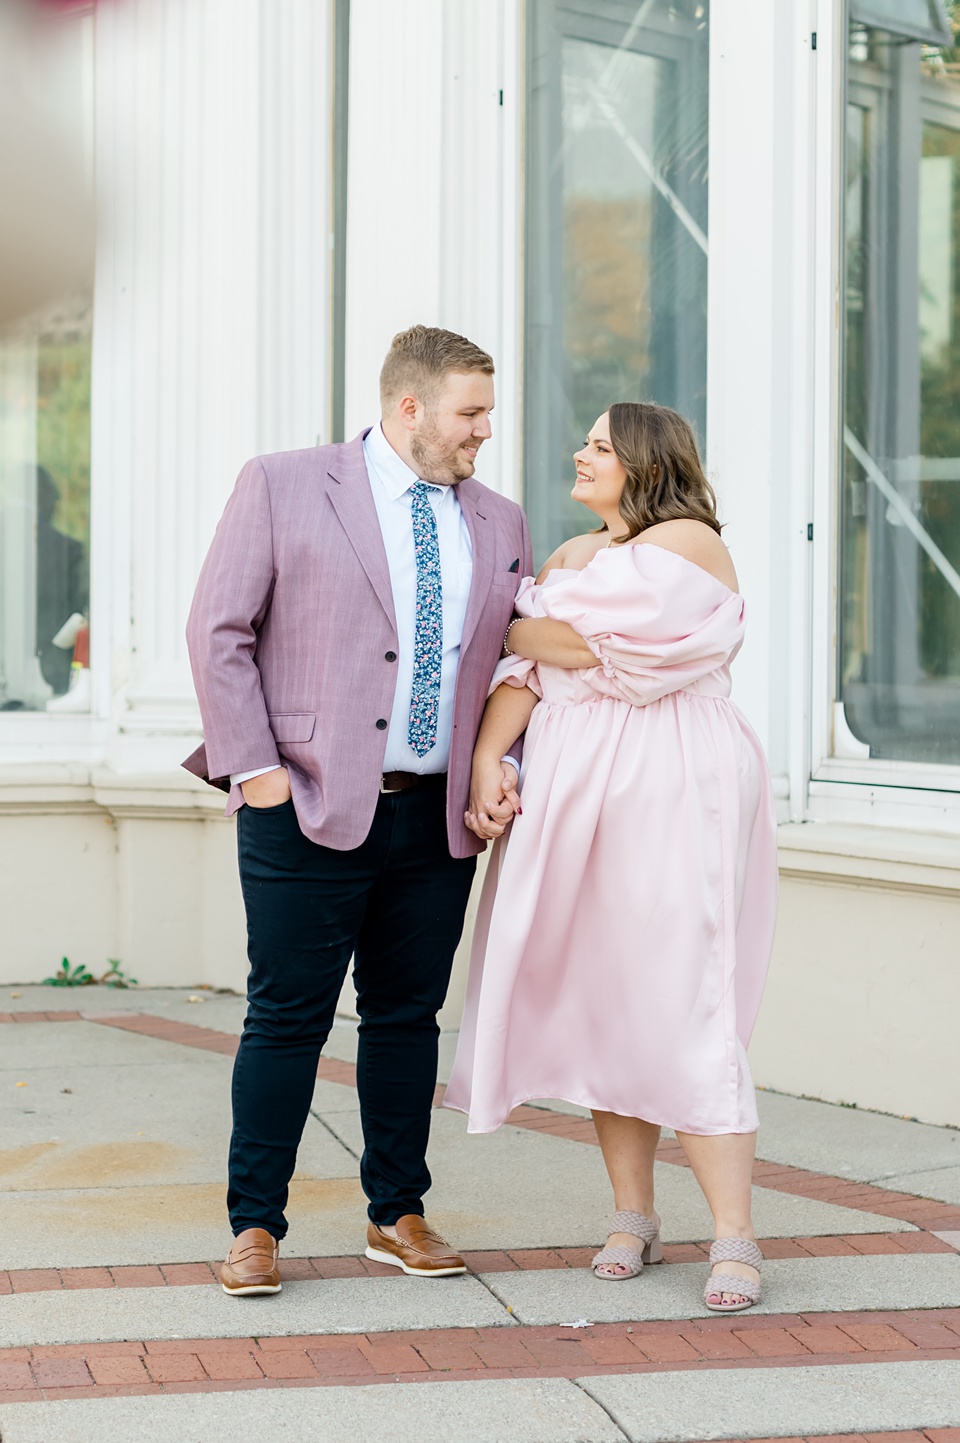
(428, 631)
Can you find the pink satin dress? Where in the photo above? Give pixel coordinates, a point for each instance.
(627, 917)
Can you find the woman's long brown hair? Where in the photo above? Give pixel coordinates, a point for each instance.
(665, 479)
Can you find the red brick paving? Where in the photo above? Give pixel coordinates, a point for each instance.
(204, 1364)
(34, 1280)
(191, 1365)
(40, 1017)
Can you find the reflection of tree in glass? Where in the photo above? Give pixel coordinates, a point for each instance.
(940, 437)
(63, 410)
(61, 582)
(606, 317)
(62, 478)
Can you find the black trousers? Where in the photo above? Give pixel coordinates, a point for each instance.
(397, 904)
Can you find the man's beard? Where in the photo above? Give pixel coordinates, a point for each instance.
(436, 459)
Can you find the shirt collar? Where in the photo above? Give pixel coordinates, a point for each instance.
(393, 473)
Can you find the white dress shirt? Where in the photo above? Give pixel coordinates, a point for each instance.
(390, 482)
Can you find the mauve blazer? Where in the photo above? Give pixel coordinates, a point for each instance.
(290, 629)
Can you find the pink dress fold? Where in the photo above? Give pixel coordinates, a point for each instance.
(626, 922)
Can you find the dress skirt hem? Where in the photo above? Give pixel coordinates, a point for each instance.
(593, 1106)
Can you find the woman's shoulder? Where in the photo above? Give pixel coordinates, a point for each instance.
(696, 542)
(573, 555)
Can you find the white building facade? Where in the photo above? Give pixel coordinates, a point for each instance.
(746, 209)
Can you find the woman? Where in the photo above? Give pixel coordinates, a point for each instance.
(627, 918)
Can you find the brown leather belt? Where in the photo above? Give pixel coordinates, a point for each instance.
(404, 781)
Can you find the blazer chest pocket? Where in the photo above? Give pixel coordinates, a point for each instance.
(292, 726)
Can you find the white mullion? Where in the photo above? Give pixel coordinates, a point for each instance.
(831, 37)
(800, 398)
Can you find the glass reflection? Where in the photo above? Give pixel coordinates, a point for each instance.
(45, 456)
(616, 229)
(899, 656)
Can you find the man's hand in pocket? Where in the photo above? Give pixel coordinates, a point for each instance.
(270, 789)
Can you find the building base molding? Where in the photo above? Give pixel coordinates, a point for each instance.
(864, 989)
(860, 1007)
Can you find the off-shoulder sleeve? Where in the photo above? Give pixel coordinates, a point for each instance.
(517, 670)
(656, 621)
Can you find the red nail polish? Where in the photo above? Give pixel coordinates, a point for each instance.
(519, 811)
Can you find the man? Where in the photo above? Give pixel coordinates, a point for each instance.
(346, 625)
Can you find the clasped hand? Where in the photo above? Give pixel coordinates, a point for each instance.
(494, 800)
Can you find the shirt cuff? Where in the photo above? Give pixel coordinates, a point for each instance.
(511, 761)
(237, 777)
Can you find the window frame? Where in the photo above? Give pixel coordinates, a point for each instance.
(839, 787)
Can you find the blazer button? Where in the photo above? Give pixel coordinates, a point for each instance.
(390, 656)
(381, 725)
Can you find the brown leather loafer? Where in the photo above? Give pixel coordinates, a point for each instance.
(416, 1249)
(252, 1265)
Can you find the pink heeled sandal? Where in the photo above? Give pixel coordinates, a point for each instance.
(733, 1250)
(648, 1232)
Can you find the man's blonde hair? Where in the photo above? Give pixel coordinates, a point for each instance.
(420, 358)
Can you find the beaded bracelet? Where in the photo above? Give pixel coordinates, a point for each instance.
(506, 650)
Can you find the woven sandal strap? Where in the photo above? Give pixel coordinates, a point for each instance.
(630, 1257)
(727, 1283)
(635, 1224)
(736, 1250)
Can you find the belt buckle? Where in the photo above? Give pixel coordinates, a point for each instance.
(388, 791)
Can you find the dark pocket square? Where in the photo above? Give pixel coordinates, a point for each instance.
(515, 565)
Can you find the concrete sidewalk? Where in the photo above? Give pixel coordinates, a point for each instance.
(113, 1133)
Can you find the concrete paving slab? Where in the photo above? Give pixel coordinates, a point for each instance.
(942, 1183)
(331, 1097)
(108, 1227)
(489, 1192)
(342, 1042)
(113, 1163)
(62, 1046)
(76, 1106)
(777, 1402)
(227, 1007)
(335, 1305)
(675, 1290)
(523, 1410)
(847, 1142)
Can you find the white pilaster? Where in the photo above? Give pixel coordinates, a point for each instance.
(433, 201)
(760, 340)
(212, 325)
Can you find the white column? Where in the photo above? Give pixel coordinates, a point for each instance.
(433, 200)
(211, 324)
(762, 72)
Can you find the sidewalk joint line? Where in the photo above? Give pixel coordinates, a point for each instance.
(336, 1137)
(581, 1384)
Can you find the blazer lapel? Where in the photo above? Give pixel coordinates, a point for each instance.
(471, 496)
(353, 502)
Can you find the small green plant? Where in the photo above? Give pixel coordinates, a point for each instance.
(70, 976)
(116, 977)
(79, 976)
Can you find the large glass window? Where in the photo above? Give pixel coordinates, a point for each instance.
(45, 461)
(616, 219)
(899, 623)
